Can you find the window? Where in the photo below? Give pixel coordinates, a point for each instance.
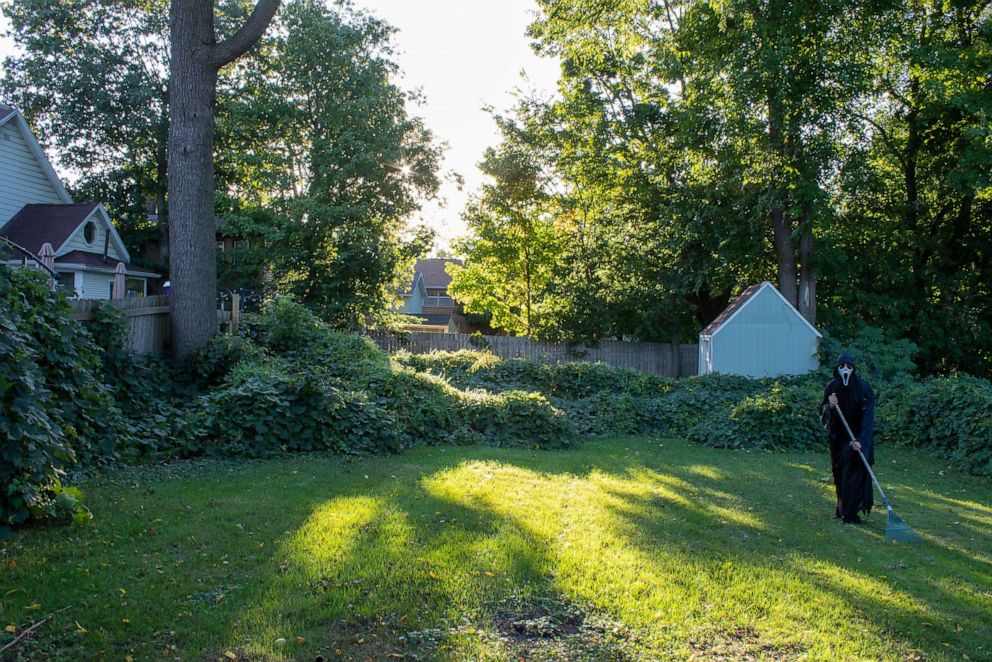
(67, 282)
(241, 245)
(134, 287)
(89, 232)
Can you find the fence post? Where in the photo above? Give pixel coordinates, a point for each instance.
(235, 311)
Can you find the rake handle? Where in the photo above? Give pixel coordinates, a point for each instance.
(862, 456)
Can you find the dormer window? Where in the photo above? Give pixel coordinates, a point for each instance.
(89, 232)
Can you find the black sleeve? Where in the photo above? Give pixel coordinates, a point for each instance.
(825, 406)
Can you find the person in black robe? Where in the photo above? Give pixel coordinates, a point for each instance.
(855, 398)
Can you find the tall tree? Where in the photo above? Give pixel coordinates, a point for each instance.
(343, 163)
(92, 77)
(197, 56)
(916, 187)
(512, 247)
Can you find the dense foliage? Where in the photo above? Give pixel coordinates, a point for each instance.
(838, 149)
(75, 397)
(319, 160)
(55, 407)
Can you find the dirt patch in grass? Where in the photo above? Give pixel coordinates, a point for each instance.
(550, 628)
(742, 644)
(365, 639)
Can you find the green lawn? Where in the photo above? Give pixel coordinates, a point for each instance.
(623, 549)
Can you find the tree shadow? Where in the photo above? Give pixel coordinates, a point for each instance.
(690, 560)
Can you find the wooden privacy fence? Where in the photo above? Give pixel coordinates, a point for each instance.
(149, 318)
(656, 358)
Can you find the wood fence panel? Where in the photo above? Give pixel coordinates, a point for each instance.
(149, 317)
(656, 358)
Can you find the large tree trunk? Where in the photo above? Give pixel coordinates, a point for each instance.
(196, 59)
(785, 252)
(193, 269)
(807, 273)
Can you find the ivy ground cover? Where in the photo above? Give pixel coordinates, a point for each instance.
(625, 548)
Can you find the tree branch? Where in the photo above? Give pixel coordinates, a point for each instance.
(238, 44)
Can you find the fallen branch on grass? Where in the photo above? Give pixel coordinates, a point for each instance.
(11, 644)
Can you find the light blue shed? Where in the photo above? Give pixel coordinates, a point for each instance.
(760, 334)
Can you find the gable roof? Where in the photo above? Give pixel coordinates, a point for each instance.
(433, 271)
(418, 282)
(741, 302)
(35, 225)
(12, 115)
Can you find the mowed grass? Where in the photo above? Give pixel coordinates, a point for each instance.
(624, 549)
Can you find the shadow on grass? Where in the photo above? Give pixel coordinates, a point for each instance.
(734, 557)
(618, 550)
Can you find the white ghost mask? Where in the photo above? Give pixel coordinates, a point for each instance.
(845, 370)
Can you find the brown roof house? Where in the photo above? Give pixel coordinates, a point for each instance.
(39, 218)
(427, 297)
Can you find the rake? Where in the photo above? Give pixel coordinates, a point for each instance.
(895, 529)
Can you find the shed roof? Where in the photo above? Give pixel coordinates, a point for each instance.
(741, 302)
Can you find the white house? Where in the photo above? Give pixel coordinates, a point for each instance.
(760, 334)
(35, 209)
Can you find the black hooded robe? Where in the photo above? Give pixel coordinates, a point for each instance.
(851, 480)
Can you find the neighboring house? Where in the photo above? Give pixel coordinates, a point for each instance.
(760, 334)
(35, 209)
(427, 297)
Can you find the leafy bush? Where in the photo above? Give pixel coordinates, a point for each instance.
(425, 406)
(258, 415)
(517, 418)
(209, 365)
(471, 369)
(783, 417)
(284, 326)
(946, 416)
(55, 407)
(879, 359)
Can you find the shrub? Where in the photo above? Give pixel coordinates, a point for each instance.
(471, 369)
(783, 417)
(55, 407)
(284, 327)
(258, 415)
(425, 406)
(946, 416)
(209, 365)
(517, 418)
(879, 358)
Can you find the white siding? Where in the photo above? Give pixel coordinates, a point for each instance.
(22, 180)
(76, 242)
(96, 285)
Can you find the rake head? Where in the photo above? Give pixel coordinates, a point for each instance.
(898, 531)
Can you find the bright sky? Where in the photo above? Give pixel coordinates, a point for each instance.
(463, 55)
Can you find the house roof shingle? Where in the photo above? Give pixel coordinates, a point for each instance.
(35, 225)
(731, 309)
(433, 271)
